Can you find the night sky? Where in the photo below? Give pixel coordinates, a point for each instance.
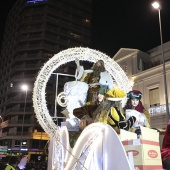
(5, 6)
(120, 24)
(128, 24)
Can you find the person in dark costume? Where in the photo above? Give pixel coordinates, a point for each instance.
(165, 151)
(135, 107)
(111, 111)
(85, 113)
(108, 111)
(96, 77)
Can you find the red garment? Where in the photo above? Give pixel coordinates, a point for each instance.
(165, 152)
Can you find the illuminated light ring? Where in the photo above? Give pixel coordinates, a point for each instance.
(63, 57)
(59, 99)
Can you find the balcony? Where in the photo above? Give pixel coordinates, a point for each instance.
(26, 135)
(19, 111)
(158, 116)
(20, 123)
(15, 100)
(158, 109)
(16, 135)
(40, 136)
(4, 124)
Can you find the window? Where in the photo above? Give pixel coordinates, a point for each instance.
(24, 143)
(35, 143)
(17, 142)
(145, 66)
(154, 97)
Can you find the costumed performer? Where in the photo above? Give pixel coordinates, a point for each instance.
(134, 107)
(85, 113)
(111, 112)
(165, 151)
(96, 77)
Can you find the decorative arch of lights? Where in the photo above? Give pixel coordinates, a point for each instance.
(63, 57)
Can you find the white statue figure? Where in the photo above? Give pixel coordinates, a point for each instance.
(75, 96)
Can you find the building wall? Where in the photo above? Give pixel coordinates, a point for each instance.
(147, 79)
(34, 32)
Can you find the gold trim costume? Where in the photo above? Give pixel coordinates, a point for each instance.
(97, 77)
(111, 112)
(85, 113)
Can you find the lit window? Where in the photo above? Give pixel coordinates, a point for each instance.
(87, 21)
(35, 1)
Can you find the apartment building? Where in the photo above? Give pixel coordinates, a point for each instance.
(35, 31)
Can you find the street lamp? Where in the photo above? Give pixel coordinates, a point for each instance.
(157, 6)
(24, 87)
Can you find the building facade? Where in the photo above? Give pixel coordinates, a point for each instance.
(145, 72)
(34, 32)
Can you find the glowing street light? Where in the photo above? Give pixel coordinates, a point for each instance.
(157, 6)
(24, 87)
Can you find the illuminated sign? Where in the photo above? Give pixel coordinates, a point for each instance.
(35, 1)
(3, 151)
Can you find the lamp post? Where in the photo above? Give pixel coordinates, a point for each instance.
(24, 87)
(157, 6)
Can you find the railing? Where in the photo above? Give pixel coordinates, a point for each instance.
(19, 110)
(35, 135)
(4, 134)
(4, 123)
(16, 134)
(19, 122)
(40, 135)
(158, 110)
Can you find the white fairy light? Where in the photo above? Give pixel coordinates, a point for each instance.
(63, 57)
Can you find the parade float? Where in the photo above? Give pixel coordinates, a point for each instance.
(98, 147)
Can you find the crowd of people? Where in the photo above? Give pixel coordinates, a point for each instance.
(36, 165)
(15, 163)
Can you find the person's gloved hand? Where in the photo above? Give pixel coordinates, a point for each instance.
(126, 125)
(138, 132)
